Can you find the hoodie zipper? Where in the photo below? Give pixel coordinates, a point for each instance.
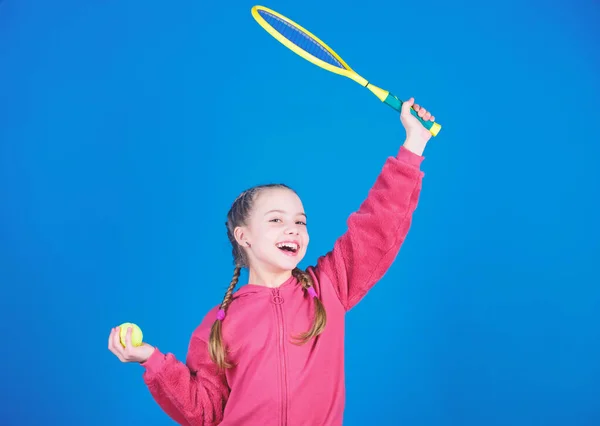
(278, 301)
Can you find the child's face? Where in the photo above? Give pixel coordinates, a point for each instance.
(276, 231)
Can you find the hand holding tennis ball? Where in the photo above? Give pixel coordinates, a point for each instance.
(126, 342)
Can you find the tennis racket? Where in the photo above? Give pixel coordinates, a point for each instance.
(309, 47)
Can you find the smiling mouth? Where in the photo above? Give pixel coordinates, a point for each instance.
(289, 248)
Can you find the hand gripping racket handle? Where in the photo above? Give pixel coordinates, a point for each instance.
(396, 103)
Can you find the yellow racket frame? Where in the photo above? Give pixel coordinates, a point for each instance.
(383, 95)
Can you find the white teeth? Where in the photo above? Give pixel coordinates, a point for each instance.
(288, 245)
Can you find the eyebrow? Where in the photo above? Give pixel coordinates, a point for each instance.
(281, 211)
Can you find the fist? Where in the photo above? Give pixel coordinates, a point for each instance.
(411, 124)
(127, 351)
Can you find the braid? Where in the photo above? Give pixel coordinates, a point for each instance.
(320, 314)
(216, 347)
(238, 215)
(232, 284)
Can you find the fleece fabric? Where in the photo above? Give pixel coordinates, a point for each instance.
(275, 382)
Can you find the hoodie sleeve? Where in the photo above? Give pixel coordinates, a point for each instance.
(192, 394)
(375, 233)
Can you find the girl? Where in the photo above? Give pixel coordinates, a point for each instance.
(272, 353)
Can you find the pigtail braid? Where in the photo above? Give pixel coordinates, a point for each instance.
(238, 215)
(216, 346)
(320, 314)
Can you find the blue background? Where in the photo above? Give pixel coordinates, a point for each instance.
(127, 128)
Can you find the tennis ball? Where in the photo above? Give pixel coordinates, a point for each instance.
(136, 333)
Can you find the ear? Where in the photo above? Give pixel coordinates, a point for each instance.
(241, 236)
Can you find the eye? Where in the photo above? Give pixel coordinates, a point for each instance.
(275, 220)
(301, 223)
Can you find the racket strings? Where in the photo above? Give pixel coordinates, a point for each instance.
(301, 39)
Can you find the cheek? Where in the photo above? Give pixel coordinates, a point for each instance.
(260, 238)
(306, 236)
(268, 237)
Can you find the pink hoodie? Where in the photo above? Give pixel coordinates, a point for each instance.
(276, 382)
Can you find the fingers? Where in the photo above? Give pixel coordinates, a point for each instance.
(128, 343)
(114, 344)
(110, 337)
(423, 113)
(127, 353)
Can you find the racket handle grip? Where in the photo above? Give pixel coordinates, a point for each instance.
(395, 103)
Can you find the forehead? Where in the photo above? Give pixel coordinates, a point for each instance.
(278, 199)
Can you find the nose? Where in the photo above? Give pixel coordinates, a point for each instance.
(292, 229)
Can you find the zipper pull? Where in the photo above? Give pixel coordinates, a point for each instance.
(276, 299)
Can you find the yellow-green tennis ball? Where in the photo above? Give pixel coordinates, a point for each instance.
(136, 333)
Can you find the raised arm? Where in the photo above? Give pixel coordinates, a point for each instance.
(375, 233)
(192, 394)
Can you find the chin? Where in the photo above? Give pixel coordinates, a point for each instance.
(288, 263)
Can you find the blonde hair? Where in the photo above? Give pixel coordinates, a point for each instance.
(237, 216)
